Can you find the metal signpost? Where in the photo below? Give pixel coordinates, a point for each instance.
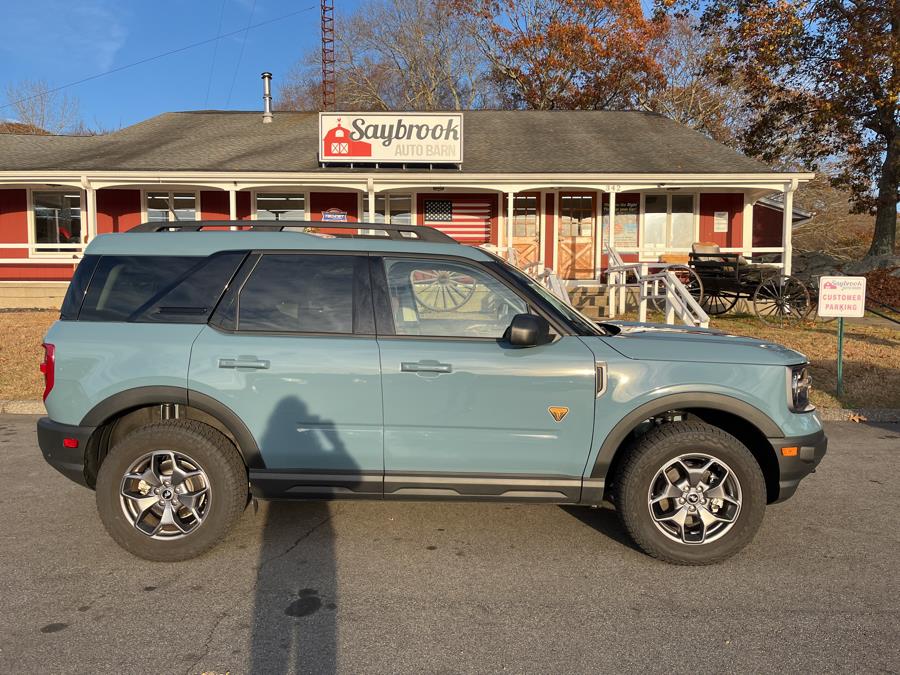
(842, 297)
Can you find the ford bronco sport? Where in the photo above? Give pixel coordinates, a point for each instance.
(192, 369)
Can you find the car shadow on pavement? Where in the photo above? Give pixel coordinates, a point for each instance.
(296, 592)
(603, 520)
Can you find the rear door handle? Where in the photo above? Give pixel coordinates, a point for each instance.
(425, 367)
(244, 362)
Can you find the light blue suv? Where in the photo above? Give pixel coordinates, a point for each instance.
(193, 368)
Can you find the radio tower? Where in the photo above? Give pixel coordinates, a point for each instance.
(328, 55)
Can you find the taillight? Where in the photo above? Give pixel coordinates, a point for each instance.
(48, 368)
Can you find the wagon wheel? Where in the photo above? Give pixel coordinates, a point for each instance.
(781, 299)
(691, 282)
(717, 302)
(442, 290)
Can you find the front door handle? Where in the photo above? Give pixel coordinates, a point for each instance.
(425, 367)
(244, 362)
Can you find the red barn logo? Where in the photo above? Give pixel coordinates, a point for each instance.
(337, 143)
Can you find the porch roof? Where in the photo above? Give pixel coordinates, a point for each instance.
(501, 142)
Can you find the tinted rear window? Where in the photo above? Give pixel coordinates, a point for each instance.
(78, 287)
(172, 289)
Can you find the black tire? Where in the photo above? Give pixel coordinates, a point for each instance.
(640, 469)
(213, 452)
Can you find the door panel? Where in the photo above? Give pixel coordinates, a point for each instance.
(312, 403)
(488, 412)
(577, 215)
(526, 227)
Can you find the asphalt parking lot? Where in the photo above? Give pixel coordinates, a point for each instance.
(437, 587)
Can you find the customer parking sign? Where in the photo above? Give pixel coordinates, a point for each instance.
(842, 296)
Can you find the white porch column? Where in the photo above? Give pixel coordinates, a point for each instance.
(598, 232)
(747, 236)
(370, 186)
(232, 204)
(91, 194)
(501, 221)
(787, 224)
(612, 219)
(510, 197)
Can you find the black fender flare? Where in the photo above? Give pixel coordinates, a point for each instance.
(710, 401)
(138, 397)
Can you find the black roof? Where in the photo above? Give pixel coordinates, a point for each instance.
(495, 141)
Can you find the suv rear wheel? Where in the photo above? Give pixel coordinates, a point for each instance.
(170, 491)
(691, 494)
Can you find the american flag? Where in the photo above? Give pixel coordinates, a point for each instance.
(465, 221)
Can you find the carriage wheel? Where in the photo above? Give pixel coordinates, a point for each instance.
(780, 300)
(691, 282)
(717, 302)
(442, 290)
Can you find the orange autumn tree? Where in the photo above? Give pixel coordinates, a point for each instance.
(565, 54)
(822, 79)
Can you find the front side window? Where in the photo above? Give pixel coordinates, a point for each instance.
(289, 293)
(57, 219)
(171, 206)
(281, 206)
(449, 299)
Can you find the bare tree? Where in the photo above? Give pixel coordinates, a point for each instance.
(42, 110)
(686, 92)
(398, 55)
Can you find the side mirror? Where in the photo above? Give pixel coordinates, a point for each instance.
(528, 330)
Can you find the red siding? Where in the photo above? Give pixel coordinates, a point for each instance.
(13, 222)
(767, 226)
(214, 205)
(243, 205)
(734, 204)
(118, 210)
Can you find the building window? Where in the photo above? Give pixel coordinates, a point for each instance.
(525, 216)
(668, 222)
(171, 206)
(390, 208)
(281, 206)
(576, 215)
(57, 219)
(626, 223)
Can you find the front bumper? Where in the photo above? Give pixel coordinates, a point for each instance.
(791, 470)
(68, 461)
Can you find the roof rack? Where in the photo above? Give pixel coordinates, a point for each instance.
(354, 230)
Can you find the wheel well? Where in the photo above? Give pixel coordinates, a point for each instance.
(744, 431)
(113, 429)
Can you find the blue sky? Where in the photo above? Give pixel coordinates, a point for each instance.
(61, 41)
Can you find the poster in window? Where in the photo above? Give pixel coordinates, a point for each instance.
(626, 224)
(720, 221)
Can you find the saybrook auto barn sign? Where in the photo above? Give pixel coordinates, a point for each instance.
(432, 138)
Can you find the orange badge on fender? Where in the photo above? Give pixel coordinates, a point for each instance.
(558, 412)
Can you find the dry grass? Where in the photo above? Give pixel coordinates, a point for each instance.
(871, 357)
(21, 334)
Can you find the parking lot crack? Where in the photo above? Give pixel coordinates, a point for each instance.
(192, 668)
(299, 540)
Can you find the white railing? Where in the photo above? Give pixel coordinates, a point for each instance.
(660, 285)
(549, 280)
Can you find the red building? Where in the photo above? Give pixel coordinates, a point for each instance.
(543, 182)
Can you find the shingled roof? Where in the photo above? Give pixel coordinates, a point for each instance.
(499, 142)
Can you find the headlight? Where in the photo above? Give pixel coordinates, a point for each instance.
(799, 382)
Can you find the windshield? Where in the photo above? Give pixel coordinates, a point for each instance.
(582, 324)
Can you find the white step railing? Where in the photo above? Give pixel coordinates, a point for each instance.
(660, 285)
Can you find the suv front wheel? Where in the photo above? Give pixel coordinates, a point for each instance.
(690, 494)
(170, 491)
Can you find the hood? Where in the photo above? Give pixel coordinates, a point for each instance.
(661, 342)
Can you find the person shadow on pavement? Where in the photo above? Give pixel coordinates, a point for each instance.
(296, 592)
